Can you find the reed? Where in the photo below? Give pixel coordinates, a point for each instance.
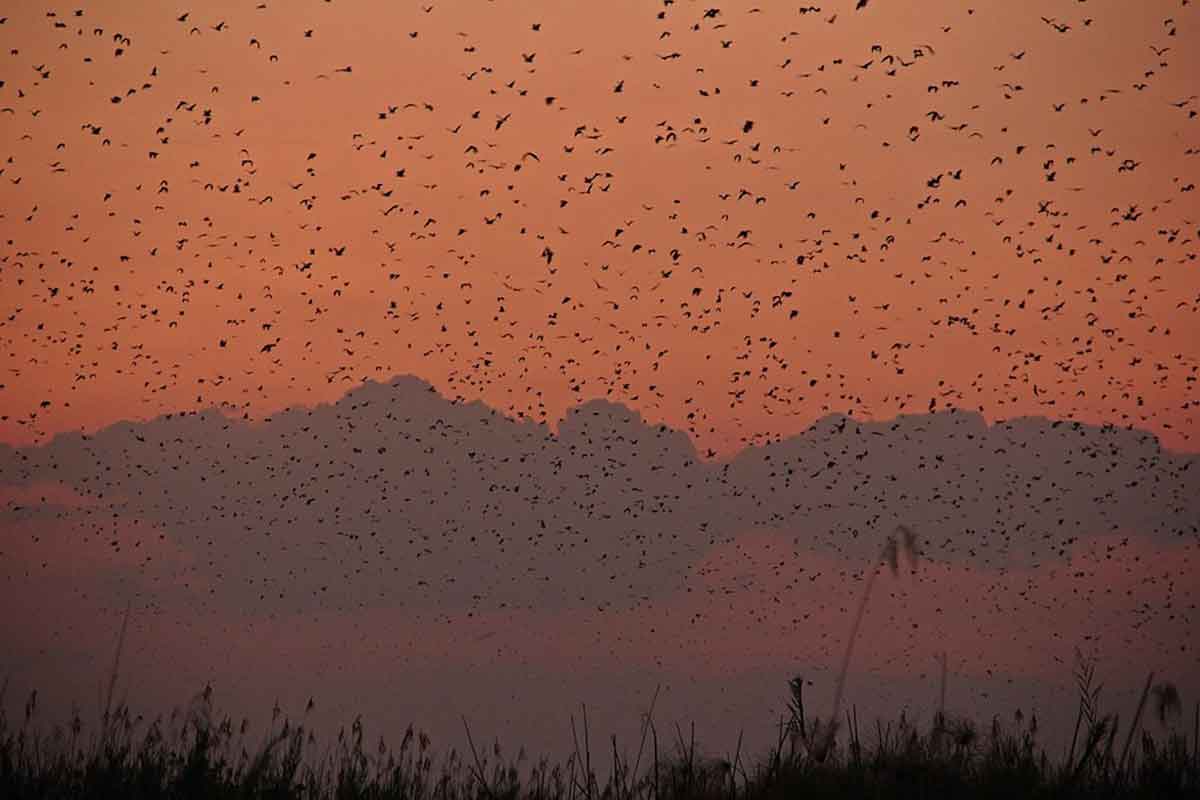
(889, 556)
(199, 753)
(195, 753)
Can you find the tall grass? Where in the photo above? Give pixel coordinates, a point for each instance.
(194, 753)
(823, 737)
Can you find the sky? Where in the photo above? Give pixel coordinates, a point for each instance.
(498, 357)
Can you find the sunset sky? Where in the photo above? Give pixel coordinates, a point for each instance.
(735, 225)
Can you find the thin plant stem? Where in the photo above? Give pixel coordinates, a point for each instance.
(1137, 718)
(839, 687)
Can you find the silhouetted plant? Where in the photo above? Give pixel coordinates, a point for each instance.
(195, 753)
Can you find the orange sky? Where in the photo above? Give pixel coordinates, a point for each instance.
(128, 258)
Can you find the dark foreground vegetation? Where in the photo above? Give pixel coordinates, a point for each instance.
(194, 754)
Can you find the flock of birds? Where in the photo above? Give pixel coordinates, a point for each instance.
(198, 215)
(741, 221)
(455, 516)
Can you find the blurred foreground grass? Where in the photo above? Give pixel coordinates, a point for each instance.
(194, 753)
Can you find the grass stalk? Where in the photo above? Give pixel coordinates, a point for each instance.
(106, 712)
(1075, 735)
(1108, 748)
(733, 768)
(1196, 739)
(839, 687)
(890, 557)
(646, 722)
(587, 754)
(654, 744)
(1137, 718)
(483, 782)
